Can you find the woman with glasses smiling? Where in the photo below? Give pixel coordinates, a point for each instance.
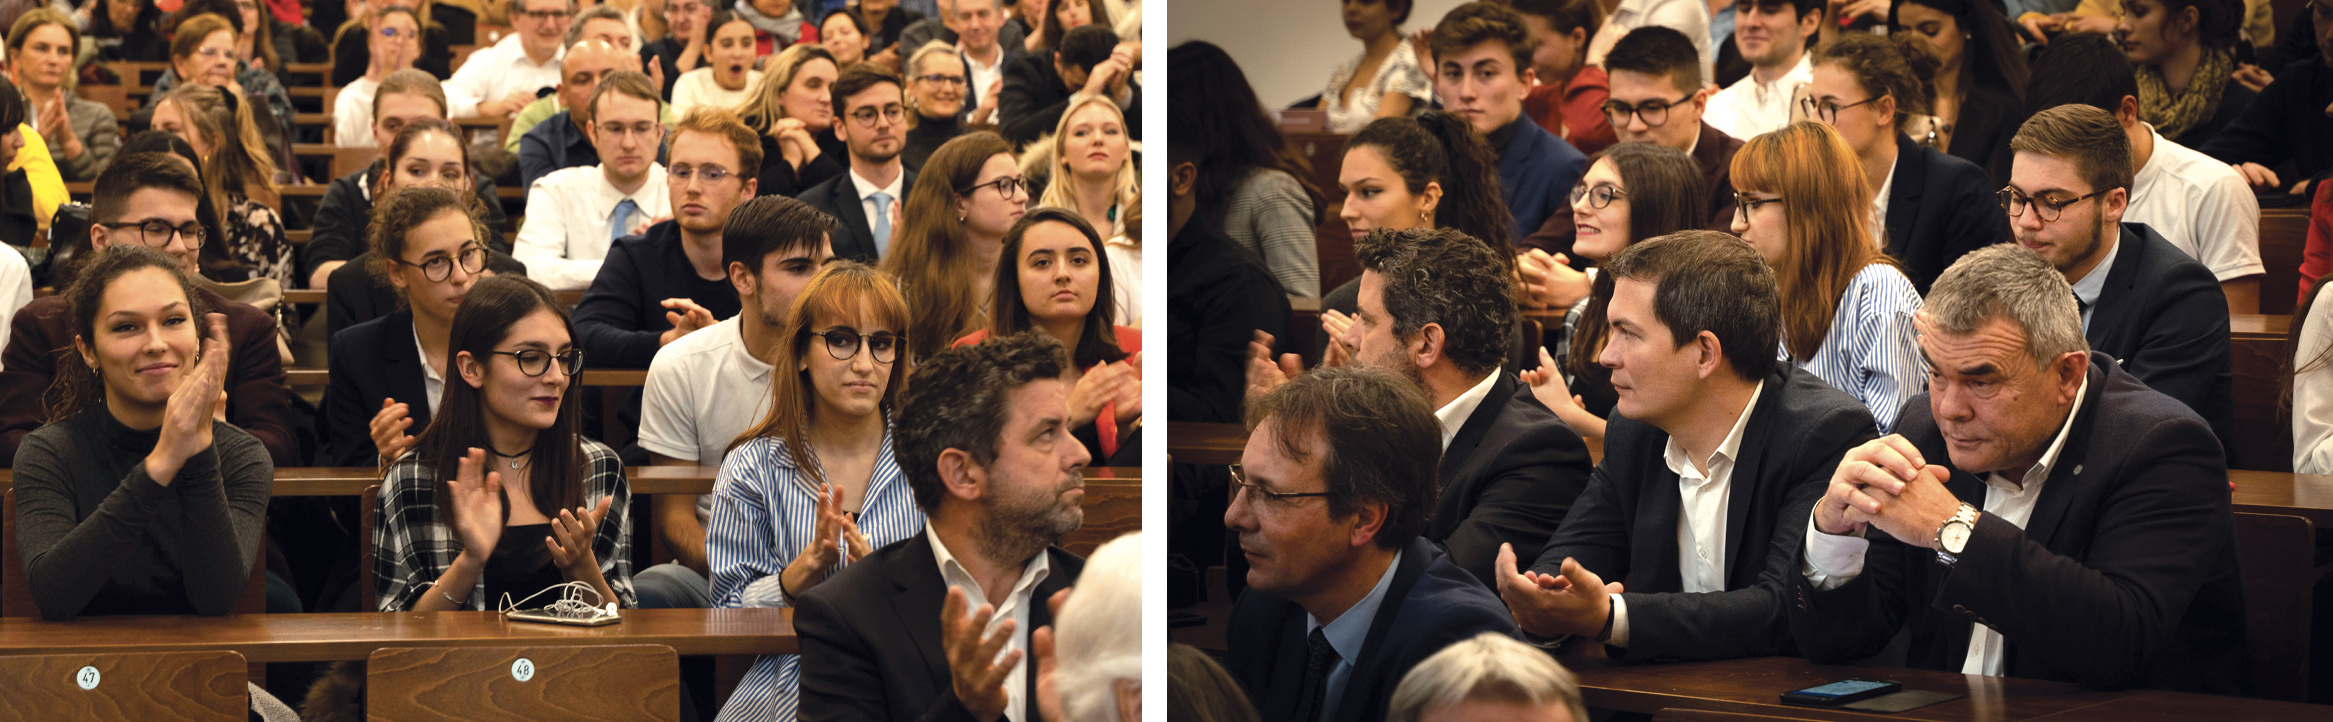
(202, 52)
(950, 234)
(1847, 311)
(936, 80)
(389, 373)
(502, 496)
(814, 486)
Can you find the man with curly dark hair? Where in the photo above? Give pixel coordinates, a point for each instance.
(982, 437)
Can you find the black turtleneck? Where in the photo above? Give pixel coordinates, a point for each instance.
(929, 134)
(99, 537)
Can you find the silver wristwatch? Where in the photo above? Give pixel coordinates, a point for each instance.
(1953, 536)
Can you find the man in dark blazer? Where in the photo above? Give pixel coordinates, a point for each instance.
(2145, 303)
(1343, 596)
(2039, 513)
(1939, 208)
(1482, 52)
(870, 118)
(1038, 86)
(1714, 454)
(1510, 469)
(877, 643)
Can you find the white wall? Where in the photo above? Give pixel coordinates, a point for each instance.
(1286, 47)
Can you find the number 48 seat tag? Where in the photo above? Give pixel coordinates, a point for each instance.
(523, 669)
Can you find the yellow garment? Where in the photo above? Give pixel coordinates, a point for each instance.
(48, 186)
(2259, 18)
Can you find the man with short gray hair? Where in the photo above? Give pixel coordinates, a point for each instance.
(1488, 677)
(2122, 573)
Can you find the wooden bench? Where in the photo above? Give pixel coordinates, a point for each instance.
(334, 637)
(520, 684)
(2284, 232)
(2262, 436)
(127, 686)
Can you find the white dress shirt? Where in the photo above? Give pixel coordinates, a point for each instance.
(1453, 415)
(496, 71)
(1015, 607)
(433, 384)
(984, 76)
(569, 214)
(1749, 108)
(2200, 205)
(1701, 515)
(866, 189)
(1690, 17)
(352, 114)
(15, 286)
(1832, 560)
(1879, 204)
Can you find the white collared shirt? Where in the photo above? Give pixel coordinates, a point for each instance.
(569, 213)
(495, 72)
(1015, 607)
(352, 114)
(1879, 204)
(2094, 283)
(1750, 108)
(1453, 415)
(1690, 17)
(2200, 205)
(983, 76)
(1832, 560)
(1705, 497)
(433, 384)
(867, 205)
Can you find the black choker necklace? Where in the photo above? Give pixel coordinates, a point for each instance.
(519, 460)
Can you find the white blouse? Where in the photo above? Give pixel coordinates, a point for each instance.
(1399, 73)
(2312, 395)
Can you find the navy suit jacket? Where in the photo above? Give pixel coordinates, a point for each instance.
(1508, 476)
(621, 316)
(2163, 315)
(1939, 207)
(1536, 173)
(870, 638)
(2125, 576)
(854, 238)
(1625, 526)
(1430, 604)
(371, 361)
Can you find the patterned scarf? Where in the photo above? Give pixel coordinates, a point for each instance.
(2174, 116)
(788, 28)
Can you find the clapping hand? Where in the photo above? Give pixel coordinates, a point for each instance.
(198, 401)
(1576, 602)
(686, 317)
(1548, 386)
(571, 536)
(822, 554)
(477, 506)
(1263, 375)
(976, 669)
(388, 430)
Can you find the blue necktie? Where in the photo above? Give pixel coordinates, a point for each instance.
(623, 219)
(882, 221)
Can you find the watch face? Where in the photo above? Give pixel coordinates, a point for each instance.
(1955, 537)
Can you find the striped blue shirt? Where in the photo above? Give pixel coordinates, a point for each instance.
(1870, 352)
(764, 511)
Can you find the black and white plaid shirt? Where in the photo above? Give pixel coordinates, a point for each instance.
(412, 547)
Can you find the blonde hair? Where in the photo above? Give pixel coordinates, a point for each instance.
(237, 163)
(765, 106)
(1491, 666)
(1127, 186)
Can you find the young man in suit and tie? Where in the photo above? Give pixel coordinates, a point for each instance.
(1714, 453)
(871, 119)
(2040, 512)
(2156, 311)
(1435, 308)
(1343, 596)
(915, 630)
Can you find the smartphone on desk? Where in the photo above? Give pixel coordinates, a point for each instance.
(1840, 692)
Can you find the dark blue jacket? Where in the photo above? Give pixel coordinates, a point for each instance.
(1536, 173)
(551, 145)
(1939, 207)
(371, 361)
(1624, 527)
(622, 314)
(2163, 315)
(839, 197)
(1430, 604)
(2286, 121)
(1508, 476)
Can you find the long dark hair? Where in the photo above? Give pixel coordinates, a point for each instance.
(488, 311)
(1236, 136)
(1051, 31)
(1009, 314)
(1665, 195)
(76, 386)
(1991, 55)
(1437, 147)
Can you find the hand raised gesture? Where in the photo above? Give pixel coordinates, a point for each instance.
(192, 407)
(824, 550)
(976, 671)
(477, 506)
(388, 430)
(570, 539)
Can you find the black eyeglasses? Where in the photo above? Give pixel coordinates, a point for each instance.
(865, 117)
(2049, 210)
(1598, 197)
(157, 233)
(843, 344)
(1006, 187)
(472, 259)
(544, 14)
(1272, 499)
(1828, 111)
(1654, 112)
(1744, 204)
(534, 362)
(942, 79)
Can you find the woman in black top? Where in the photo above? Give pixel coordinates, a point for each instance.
(936, 79)
(128, 30)
(133, 500)
(794, 113)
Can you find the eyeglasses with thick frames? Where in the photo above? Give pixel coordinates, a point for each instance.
(1275, 500)
(157, 233)
(892, 113)
(709, 172)
(471, 258)
(939, 78)
(1744, 204)
(843, 344)
(1006, 187)
(1654, 112)
(2048, 210)
(534, 362)
(1598, 197)
(1828, 111)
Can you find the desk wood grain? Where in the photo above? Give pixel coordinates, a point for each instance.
(338, 637)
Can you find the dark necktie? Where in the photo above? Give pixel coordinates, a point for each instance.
(1319, 658)
(2081, 306)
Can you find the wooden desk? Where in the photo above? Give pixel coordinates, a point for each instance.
(2262, 437)
(2258, 327)
(2278, 492)
(337, 637)
(1193, 442)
